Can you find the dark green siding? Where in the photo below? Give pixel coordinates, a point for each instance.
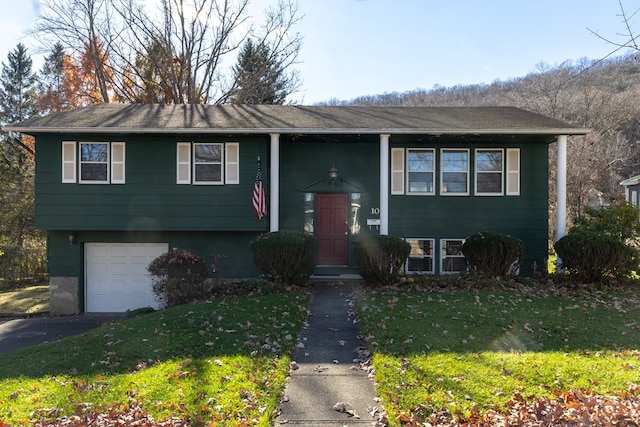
(304, 167)
(235, 259)
(456, 217)
(150, 199)
(219, 220)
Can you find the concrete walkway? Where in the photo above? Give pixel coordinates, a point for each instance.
(328, 386)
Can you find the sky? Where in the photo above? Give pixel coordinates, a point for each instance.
(353, 48)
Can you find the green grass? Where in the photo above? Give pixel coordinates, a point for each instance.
(32, 299)
(224, 361)
(438, 351)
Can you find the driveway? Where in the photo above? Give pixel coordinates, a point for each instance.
(21, 333)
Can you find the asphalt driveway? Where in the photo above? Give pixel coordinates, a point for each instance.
(21, 333)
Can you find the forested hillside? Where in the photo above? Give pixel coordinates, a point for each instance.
(603, 96)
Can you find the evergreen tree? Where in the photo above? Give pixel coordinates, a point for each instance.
(51, 86)
(259, 77)
(17, 87)
(17, 103)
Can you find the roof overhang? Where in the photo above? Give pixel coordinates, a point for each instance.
(266, 131)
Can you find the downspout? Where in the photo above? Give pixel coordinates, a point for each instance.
(561, 191)
(274, 183)
(384, 184)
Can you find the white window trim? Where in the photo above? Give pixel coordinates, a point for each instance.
(71, 162)
(442, 257)
(221, 163)
(501, 172)
(512, 171)
(397, 171)
(433, 257)
(433, 173)
(80, 163)
(443, 191)
(186, 165)
(115, 179)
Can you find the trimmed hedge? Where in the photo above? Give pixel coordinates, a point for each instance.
(493, 254)
(285, 257)
(178, 277)
(593, 257)
(381, 259)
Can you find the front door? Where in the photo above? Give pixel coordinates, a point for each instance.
(331, 232)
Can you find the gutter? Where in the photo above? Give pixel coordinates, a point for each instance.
(323, 131)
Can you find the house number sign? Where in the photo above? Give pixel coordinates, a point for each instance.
(374, 222)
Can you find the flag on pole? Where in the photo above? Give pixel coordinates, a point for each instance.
(259, 202)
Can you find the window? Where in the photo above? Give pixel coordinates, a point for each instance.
(421, 256)
(420, 171)
(208, 163)
(455, 172)
(451, 257)
(99, 162)
(489, 165)
(94, 162)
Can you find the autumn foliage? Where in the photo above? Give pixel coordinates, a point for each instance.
(178, 277)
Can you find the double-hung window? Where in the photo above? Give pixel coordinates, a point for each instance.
(420, 171)
(420, 258)
(454, 172)
(95, 162)
(451, 258)
(207, 163)
(489, 172)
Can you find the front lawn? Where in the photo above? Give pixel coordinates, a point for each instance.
(29, 300)
(441, 355)
(222, 362)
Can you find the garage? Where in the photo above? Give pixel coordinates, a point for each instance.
(116, 277)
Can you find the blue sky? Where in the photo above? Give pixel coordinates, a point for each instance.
(365, 47)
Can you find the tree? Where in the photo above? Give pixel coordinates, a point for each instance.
(259, 78)
(17, 103)
(176, 53)
(52, 98)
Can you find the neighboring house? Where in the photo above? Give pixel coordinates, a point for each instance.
(117, 185)
(632, 189)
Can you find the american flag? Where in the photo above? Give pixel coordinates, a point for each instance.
(259, 202)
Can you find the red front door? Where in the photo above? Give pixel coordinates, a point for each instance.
(332, 220)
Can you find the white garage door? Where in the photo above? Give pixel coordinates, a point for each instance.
(117, 279)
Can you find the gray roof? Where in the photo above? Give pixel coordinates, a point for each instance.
(290, 119)
(634, 180)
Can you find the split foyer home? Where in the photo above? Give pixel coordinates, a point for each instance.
(118, 184)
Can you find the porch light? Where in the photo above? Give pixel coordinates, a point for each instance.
(72, 238)
(333, 173)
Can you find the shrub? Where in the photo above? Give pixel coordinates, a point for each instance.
(592, 257)
(178, 277)
(620, 221)
(285, 257)
(493, 254)
(381, 259)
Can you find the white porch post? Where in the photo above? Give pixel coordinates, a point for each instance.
(274, 183)
(384, 184)
(561, 188)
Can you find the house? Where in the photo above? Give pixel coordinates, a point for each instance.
(117, 185)
(632, 188)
